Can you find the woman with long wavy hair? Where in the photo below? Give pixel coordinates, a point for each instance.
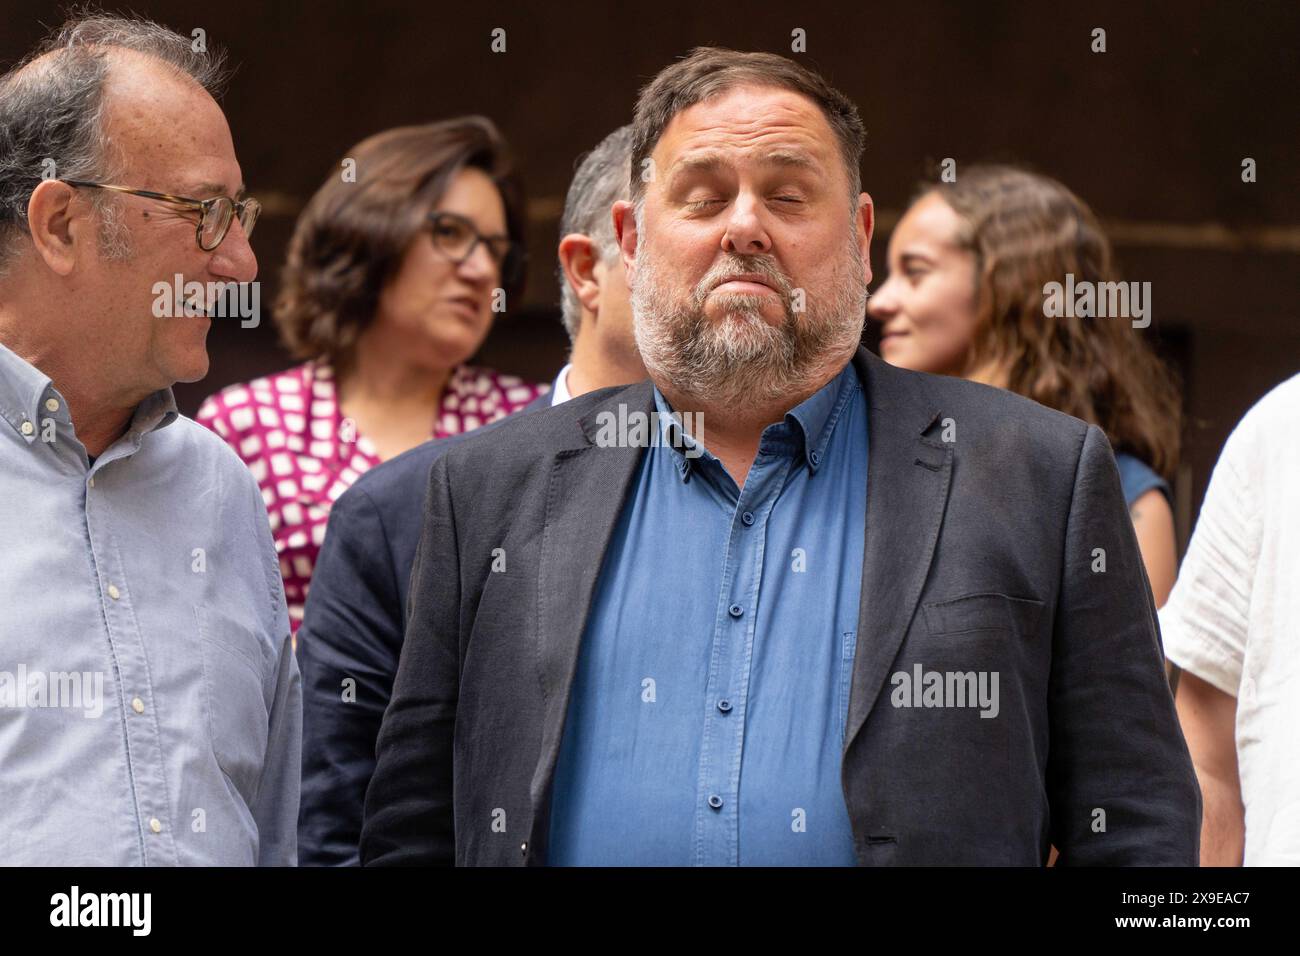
(969, 265)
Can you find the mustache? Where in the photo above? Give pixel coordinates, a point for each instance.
(739, 264)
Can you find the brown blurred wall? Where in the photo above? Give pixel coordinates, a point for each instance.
(1151, 133)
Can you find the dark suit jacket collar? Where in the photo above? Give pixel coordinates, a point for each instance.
(908, 475)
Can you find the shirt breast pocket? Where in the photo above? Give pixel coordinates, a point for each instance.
(234, 692)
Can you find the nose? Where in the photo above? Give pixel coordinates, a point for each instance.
(234, 260)
(745, 233)
(882, 305)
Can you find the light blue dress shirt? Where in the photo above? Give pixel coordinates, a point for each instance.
(150, 707)
(706, 720)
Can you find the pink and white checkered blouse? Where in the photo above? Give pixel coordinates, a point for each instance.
(289, 430)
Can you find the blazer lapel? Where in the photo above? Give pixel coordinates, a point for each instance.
(588, 485)
(908, 476)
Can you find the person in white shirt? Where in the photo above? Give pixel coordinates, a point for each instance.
(1232, 624)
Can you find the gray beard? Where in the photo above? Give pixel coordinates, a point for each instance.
(742, 360)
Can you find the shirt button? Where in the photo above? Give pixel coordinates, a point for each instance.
(724, 706)
(735, 610)
(137, 705)
(715, 801)
(747, 517)
(27, 428)
(816, 458)
(523, 848)
(92, 482)
(155, 825)
(113, 592)
(52, 404)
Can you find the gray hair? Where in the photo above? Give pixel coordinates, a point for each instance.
(600, 181)
(52, 113)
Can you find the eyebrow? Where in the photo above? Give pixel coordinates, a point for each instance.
(472, 224)
(206, 190)
(797, 159)
(697, 163)
(912, 254)
(710, 162)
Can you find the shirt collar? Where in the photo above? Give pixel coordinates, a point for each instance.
(26, 394)
(673, 436)
(158, 410)
(806, 428)
(816, 415)
(560, 390)
(23, 388)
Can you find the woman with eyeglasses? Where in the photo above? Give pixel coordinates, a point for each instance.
(395, 272)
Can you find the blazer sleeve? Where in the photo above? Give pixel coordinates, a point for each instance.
(408, 809)
(1119, 777)
(348, 646)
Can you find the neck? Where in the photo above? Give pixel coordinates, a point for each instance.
(383, 373)
(100, 422)
(594, 367)
(733, 430)
(99, 410)
(990, 372)
(732, 434)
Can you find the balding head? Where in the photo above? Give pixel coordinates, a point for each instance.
(52, 106)
(129, 104)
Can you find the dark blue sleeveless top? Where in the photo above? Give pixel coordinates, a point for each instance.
(1137, 478)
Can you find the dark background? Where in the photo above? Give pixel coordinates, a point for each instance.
(1150, 133)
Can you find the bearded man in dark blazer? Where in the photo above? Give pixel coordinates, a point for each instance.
(783, 603)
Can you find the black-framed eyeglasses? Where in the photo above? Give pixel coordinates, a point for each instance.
(215, 215)
(457, 238)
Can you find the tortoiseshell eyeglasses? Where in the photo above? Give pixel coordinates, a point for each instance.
(215, 215)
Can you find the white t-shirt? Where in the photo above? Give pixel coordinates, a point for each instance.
(1233, 618)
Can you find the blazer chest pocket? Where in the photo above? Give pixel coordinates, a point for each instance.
(988, 611)
(238, 713)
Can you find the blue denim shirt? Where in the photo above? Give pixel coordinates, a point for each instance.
(706, 721)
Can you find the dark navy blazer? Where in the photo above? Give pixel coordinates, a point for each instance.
(352, 631)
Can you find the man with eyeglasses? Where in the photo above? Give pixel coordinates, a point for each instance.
(150, 704)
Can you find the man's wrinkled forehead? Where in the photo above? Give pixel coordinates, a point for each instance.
(769, 126)
(164, 123)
